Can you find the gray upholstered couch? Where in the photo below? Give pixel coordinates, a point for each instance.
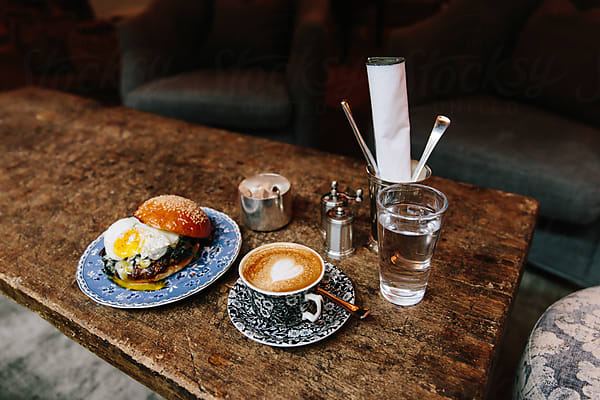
(253, 66)
(521, 82)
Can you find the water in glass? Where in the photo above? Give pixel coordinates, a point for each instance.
(406, 248)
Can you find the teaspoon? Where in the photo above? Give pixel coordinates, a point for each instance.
(354, 309)
(439, 127)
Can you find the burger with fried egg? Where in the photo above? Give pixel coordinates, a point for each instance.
(162, 238)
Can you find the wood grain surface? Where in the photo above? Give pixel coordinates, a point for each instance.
(70, 167)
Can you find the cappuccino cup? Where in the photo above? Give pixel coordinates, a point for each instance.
(281, 277)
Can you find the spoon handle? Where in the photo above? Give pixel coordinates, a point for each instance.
(354, 309)
(440, 125)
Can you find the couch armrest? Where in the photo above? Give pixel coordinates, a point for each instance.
(306, 70)
(161, 40)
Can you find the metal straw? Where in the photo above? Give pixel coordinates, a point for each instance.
(359, 138)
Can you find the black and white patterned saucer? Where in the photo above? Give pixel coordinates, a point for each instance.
(332, 317)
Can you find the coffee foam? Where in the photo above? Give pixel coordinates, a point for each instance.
(285, 268)
(282, 268)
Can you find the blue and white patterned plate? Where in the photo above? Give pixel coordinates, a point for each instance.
(332, 317)
(214, 260)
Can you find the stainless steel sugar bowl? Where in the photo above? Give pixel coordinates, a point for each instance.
(265, 202)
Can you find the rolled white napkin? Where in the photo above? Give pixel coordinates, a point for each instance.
(389, 106)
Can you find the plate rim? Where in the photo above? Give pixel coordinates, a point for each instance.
(83, 286)
(305, 343)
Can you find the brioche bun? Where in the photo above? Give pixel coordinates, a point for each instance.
(175, 214)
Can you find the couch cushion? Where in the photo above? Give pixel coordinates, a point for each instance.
(516, 148)
(242, 100)
(447, 54)
(248, 33)
(571, 251)
(556, 62)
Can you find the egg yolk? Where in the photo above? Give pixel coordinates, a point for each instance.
(128, 244)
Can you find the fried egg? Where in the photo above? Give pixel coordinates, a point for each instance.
(128, 237)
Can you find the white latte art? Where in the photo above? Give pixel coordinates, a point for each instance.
(281, 268)
(285, 268)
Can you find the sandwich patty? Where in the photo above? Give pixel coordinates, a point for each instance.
(139, 268)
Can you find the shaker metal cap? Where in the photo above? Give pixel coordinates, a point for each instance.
(332, 201)
(339, 215)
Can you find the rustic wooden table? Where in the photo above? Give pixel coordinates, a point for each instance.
(69, 168)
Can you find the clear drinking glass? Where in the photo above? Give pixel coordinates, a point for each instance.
(375, 185)
(409, 223)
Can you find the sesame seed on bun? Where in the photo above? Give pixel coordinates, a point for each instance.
(175, 214)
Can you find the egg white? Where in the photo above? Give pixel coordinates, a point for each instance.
(153, 242)
(113, 232)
